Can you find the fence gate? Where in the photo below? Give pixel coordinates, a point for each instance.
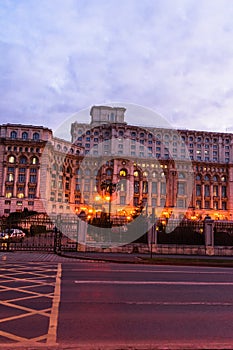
(60, 234)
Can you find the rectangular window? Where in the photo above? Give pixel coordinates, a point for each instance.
(224, 191)
(215, 191)
(21, 178)
(122, 200)
(181, 188)
(162, 202)
(207, 190)
(198, 190)
(136, 186)
(145, 187)
(224, 206)
(163, 188)
(32, 178)
(153, 202)
(154, 187)
(181, 203)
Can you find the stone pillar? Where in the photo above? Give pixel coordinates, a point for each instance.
(152, 234)
(82, 233)
(209, 235)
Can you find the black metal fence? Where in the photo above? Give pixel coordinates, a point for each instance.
(63, 234)
(223, 233)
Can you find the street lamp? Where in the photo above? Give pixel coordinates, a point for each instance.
(110, 188)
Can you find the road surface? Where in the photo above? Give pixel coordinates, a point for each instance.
(102, 305)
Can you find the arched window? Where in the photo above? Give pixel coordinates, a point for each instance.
(13, 134)
(36, 136)
(34, 160)
(87, 172)
(24, 135)
(198, 177)
(11, 159)
(223, 178)
(23, 160)
(123, 172)
(206, 178)
(136, 173)
(215, 178)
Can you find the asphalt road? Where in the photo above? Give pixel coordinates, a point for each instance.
(146, 305)
(102, 305)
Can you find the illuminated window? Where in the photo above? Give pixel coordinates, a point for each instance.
(123, 172)
(11, 159)
(10, 177)
(215, 190)
(34, 160)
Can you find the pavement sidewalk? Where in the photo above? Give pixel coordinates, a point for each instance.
(145, 258)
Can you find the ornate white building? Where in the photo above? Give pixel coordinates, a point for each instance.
(170, 172)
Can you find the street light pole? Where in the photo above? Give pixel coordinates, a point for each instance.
(110, 188)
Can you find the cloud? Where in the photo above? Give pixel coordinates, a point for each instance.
(174, 57)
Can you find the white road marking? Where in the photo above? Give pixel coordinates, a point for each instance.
(178, 283)
(52, 332)
(155, 271)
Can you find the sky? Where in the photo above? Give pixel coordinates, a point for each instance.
(174, 57)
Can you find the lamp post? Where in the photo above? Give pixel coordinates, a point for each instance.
(110, 188)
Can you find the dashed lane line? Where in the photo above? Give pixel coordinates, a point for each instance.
(178, 283)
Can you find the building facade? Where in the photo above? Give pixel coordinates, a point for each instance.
(112, 166)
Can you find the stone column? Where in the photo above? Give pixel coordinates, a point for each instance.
(209, 235)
